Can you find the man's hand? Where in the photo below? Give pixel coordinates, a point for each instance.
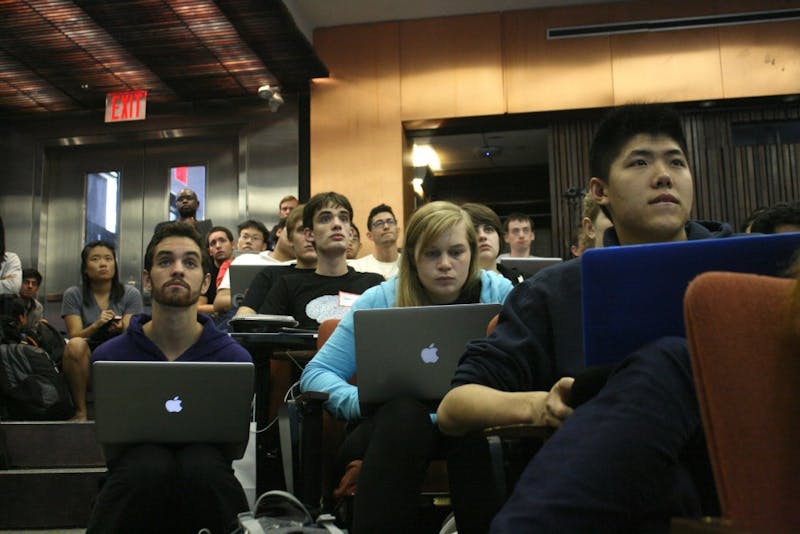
(556, 410)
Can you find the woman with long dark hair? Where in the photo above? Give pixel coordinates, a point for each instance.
(94, 312)
(10, 267)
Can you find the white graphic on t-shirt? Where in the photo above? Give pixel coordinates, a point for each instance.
(325, 307)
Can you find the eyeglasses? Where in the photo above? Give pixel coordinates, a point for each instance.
(251, 237)
(380, 223)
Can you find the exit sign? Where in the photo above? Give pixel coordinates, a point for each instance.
(126, 106)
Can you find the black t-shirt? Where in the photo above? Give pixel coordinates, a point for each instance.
(211, 292)
(259, 288)
(312, 298)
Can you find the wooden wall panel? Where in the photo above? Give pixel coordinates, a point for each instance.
(451, 67)
(556, 74)
(760, 59)
(356, 129)
(666, 66)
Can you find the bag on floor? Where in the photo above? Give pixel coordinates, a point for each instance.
(279, 512)
(31, 387)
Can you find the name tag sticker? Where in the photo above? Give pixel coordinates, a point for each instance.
(347, 299)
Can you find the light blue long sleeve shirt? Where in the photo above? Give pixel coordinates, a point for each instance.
(335, 363)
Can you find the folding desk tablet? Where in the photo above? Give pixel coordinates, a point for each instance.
(241, 277)
(172, 402)
(413, 351)
(527, 267)
(634, 294)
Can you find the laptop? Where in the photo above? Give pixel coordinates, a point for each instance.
(634, 294)
(241, 277)
(527, 267)
(172, 402)
(413, 351)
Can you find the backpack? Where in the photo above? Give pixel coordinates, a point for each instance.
(279, 512)
(31, 387)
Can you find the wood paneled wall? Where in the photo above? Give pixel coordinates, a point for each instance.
(383, 74)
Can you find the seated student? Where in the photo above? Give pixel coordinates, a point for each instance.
(383, 231)
(306, 262)
(252, 238)
(330, 290)
(220, 249)
(521, 372)
(594, 223)
(440, 267)
(488, 228)
(781, 218)
(354, 245)
(171, 488)
(94, 312)
(519, 236)
(10, 267)
(31, 280)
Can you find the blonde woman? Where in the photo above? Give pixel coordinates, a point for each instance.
(440, 266)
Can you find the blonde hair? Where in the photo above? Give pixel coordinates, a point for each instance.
(427, 224)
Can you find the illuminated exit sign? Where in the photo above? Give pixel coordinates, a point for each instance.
(126, 106)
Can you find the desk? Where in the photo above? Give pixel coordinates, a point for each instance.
(264, 348)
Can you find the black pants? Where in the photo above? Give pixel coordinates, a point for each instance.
(154, 488)
(396, 445)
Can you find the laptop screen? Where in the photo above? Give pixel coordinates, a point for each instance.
(634, 294)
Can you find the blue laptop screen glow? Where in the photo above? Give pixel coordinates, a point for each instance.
(633, 295)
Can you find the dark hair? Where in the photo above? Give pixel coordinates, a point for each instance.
(625, 122)
(32, 273)
(175, 229)
(117, 290)
(219, 229)
(770, 219)
(322, 201)
(280, 225)
(516, 216)
(355, 229)
(380, 208)
(483, 215)
(2, 242)
(11, 308)
(252, 223)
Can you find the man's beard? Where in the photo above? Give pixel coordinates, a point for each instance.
(187, 211)
(182, 299)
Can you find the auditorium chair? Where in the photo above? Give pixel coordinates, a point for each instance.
(746, 365)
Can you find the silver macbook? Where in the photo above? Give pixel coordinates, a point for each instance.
(413, 352)
(527, 267)
(172, 402)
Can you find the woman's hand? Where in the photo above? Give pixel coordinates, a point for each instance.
(106, 317)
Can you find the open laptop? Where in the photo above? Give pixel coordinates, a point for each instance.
(172, 402)
(413, 352)
(634, 294)
(527, 267)
(241, 277)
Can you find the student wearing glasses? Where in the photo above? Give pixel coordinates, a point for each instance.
(382, 230)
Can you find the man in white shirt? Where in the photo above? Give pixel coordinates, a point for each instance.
(382, 230)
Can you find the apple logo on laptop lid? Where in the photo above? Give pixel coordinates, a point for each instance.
(174, 405)
(430, 354)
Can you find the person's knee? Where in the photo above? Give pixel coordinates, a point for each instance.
(202, 463)
(77, 352)
(148, 467)
(401, 419)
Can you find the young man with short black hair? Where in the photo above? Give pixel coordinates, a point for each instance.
(383, 231)
(521, 373)
(163, 488)
(330, 290)
(220, 250)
